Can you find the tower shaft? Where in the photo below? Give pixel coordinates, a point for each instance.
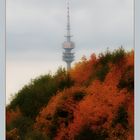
(68, 65)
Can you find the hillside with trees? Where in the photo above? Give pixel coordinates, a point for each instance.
(93, 101)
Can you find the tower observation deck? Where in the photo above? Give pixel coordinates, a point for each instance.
(68, 45)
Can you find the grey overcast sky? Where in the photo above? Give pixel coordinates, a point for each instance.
(36, 29)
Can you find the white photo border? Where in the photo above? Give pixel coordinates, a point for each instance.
(2, 67)
(137, 68)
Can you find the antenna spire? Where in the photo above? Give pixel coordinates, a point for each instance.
(68, 22)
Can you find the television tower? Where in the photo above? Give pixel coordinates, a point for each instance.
(68, 45)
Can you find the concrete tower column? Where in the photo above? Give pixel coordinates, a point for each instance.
(68, 65)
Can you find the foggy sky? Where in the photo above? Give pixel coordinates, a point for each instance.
(36, 29)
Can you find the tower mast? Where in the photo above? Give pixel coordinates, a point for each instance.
(68, 45)
(68, 22)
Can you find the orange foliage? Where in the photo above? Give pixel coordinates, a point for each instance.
(69, 111)
(12, 135)
(12, 115)
(59, 109)
(130, 58)
(130, 111)
(83, 70)
(97, 109)
(101, 105)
